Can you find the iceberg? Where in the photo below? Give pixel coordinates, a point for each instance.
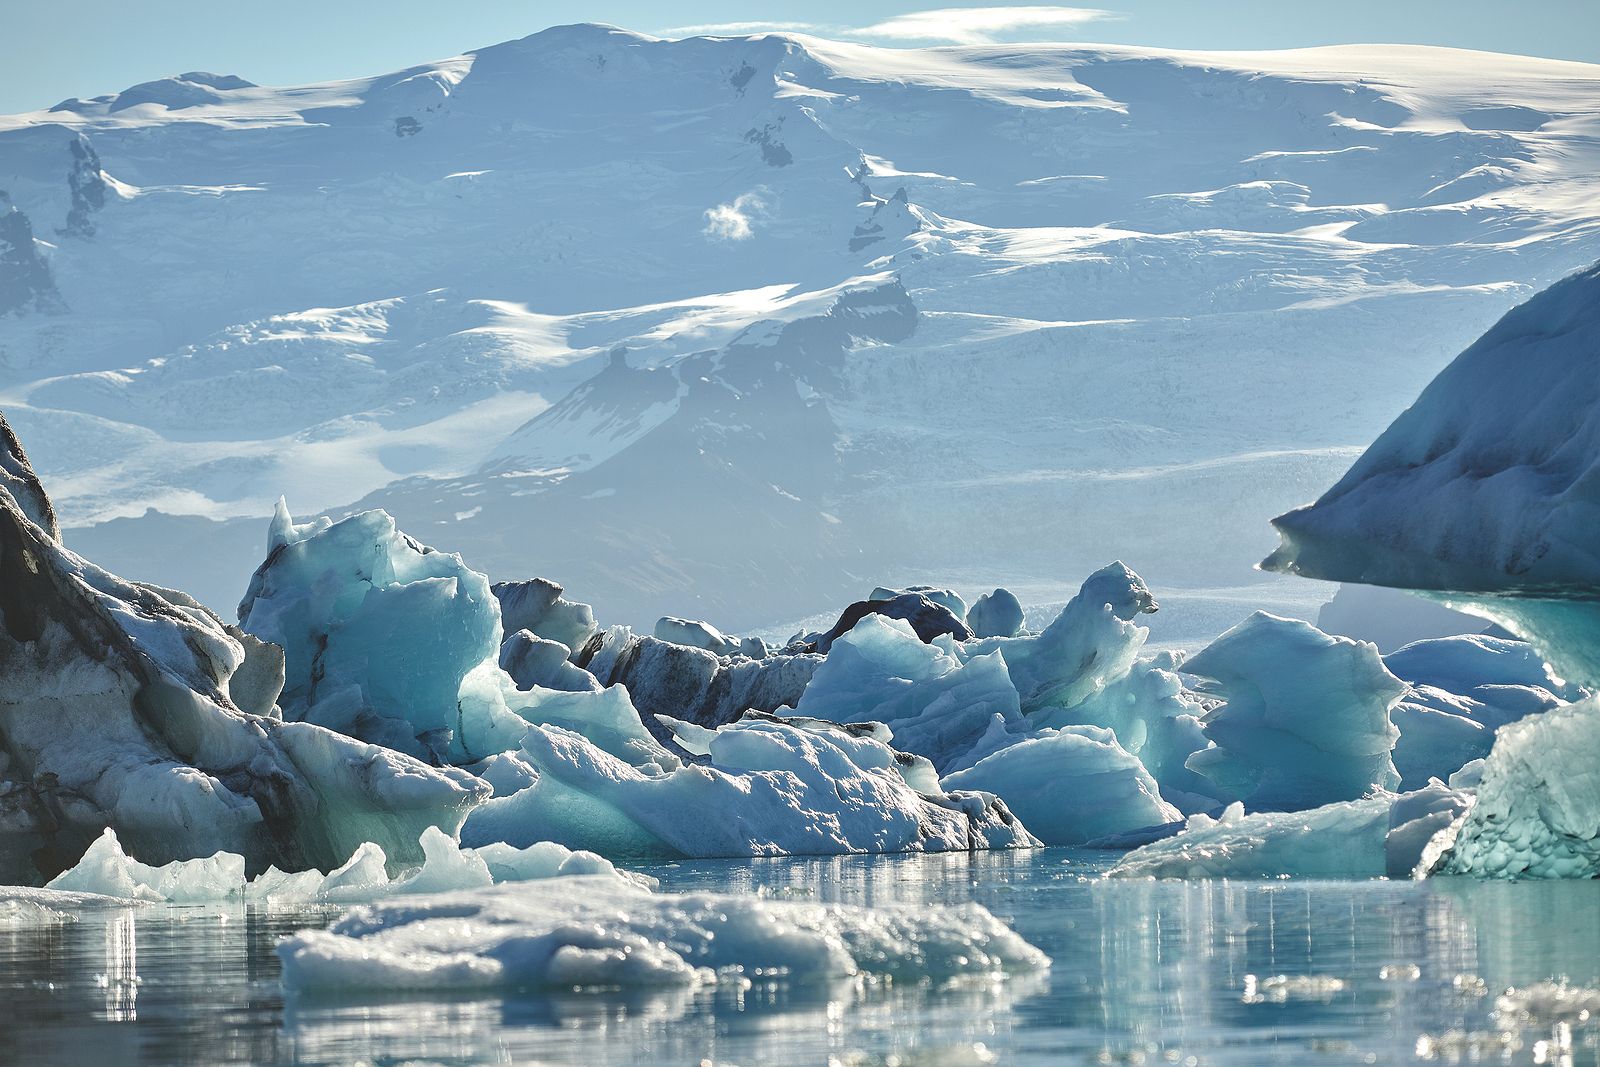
(537, 605)
(1537, 813)
(996, 614)
(1463, 689)
(1070, 786)
(1305, 719)
(379, 634)
(123, 705)
(585, 932)
(1382, 835)
(776, 788)
(106, 871)
(935, 702)
(1484, 492)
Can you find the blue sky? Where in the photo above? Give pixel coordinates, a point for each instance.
(51, 50)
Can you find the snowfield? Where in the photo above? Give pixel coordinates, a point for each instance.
(719, 327)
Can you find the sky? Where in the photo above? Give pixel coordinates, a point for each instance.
(50, 50)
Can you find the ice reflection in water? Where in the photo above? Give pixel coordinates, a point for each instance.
(1145, 972)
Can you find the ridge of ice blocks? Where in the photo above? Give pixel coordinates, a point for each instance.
(133, 707)
(1538, 809)
(107, 871)
(1377, 836)
(1305, 720)
(1070, 786)
(1463, 689)
(586, 932)
(764, 788)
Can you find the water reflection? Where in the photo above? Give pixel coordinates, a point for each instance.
(1145, 972)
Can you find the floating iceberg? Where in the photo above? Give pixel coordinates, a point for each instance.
(379, 634)
(936, 703)
(1377, 836)
(123, 705)
(596, 932)
(1463, 689)
(107, 871)
(1485, 490)
(1537, 813)
(996, 614)
(1070, 786)
(1305, 720)
(775, 788)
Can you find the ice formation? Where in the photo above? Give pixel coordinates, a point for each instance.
(1462, 690)
(107, 871)
(582, 767)
(1537, 813)
(935, 703)
(1305, 720)
(776, 788)
(1484, 490)
(582, 932)
(1487, 482)
(1070, 786)
(537, 606)
(1484, 493)
(1373, 837)
(122, 705)
(996, 614)
(695, 634)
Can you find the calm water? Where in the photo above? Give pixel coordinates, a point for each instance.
(1145, 973)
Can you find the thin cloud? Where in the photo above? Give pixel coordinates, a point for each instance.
(980, 25)
(742, 29)
(945, 25)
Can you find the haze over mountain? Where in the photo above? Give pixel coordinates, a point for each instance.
(738, 327)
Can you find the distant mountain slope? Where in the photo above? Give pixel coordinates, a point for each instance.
(743, 323)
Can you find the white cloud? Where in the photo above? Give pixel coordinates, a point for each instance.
(740, 29)
(980, 25)
(951, 25)
(733, 221)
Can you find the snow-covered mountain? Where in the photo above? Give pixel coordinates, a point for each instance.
(723, 326)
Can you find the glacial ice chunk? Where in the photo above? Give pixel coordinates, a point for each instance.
(1070, 785)
(588, 932)
(106, 870)
(123, 706)
(534, 662)
(1538, 809)
(1463, 689)
(996, 614)
(1306, 718)
(695, 634)
(1373, 837)
(935, 704)
(538, 607)
(765, 788)
(1487, 483)
(379, 632)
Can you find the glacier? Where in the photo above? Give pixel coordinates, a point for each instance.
(1008, 265)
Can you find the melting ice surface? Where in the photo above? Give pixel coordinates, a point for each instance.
(1250, 972)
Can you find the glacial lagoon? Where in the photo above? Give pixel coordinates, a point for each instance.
(1143, 972)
